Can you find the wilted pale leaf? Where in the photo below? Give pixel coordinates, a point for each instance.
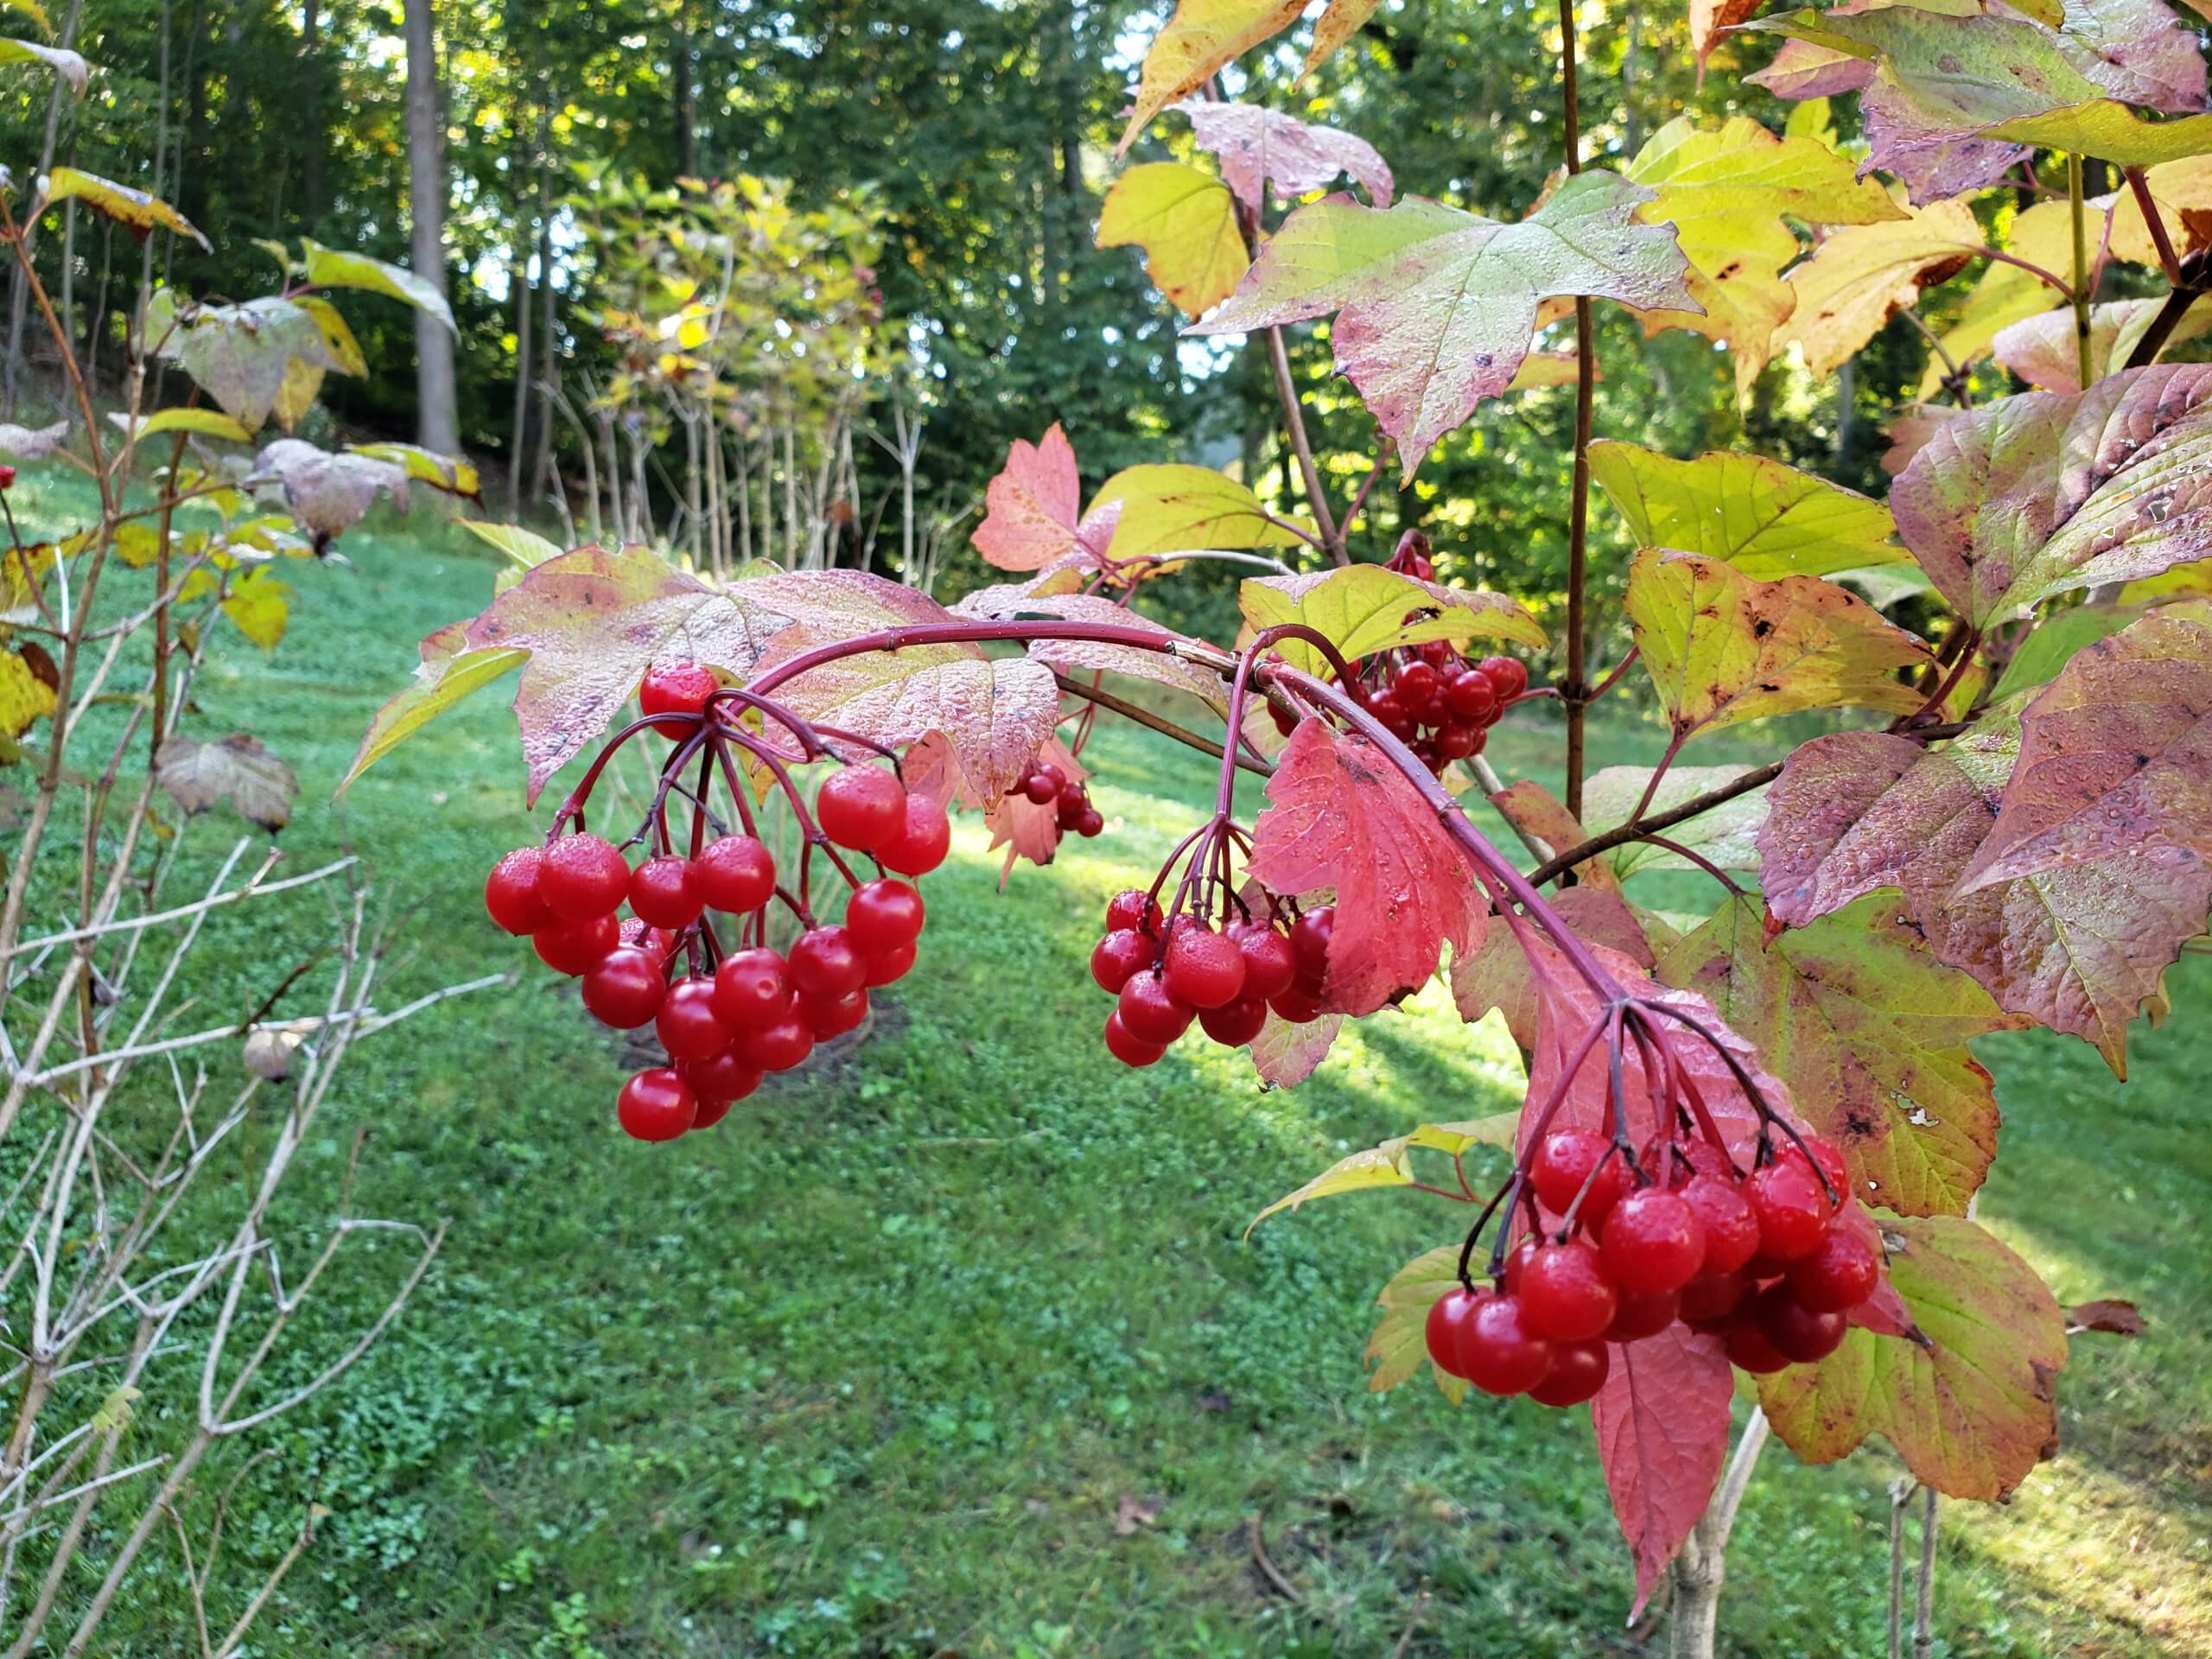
(32, 442)
(1185, 222)
(2044, 352)
(330, 493)
(265, 356)
(70, 65)
(1256, 145)
(238, 771)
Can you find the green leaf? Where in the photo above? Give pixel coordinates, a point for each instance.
(2055, 640)
(1390, 1164)
(1400, 1344)
(138, 212)
(1177, 509)
(1722, 648)
(1967, 1401)
(1364, 608)
(1726, 834)
(207, 422)
(450, 673)
(1185, 222)
(113, 1416)
(333, 268)
(70, 65)
(1764, 517)
(1436, 308)
(520, 545)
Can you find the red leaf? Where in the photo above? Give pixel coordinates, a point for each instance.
(1662, 1436)
(1034, 514)
(1341, 815)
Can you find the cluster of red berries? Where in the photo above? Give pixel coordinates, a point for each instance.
(1764, 1261)
(1043, 784)
(1437, 702)
(1164, 975)
(725, 1017)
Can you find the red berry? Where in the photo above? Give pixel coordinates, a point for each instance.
(1388, 707)
(1438, 654)
(1749, 1350)
(1827, 1158)
(1205, 969)
(1578, 1371)
(656, 941)
(1566, 1293)
(752, 988)
(1044, 783)
(1732, 1231)
(1793, 1215)
(883, 915)
(1517, 1259)
(1415, 685)
(624, 987)
(1091, 824)
(511, 892)
(711, 1112)
(922, 840)
(777, 1047)
(1799, 1334)
(1564, 1161)
(833, 1016)
(1653, 1241)
(1458, 742)
(1135, 909)
(676, 689)
(735, 875)
(1130, 1051)
(1642, 1313)
(687, 1024)
(1300, 1007)
(663, 894)
(1309, 945)
(885, 966)
(7, 477)
(571, 947)
(1838, 1275)
(582, 875)
(824, 962)
(1711, 1298)
(718, 1080)
(1448, 1317)
(1508, 677)
(1470, 697)
(1150, 1011)
(861, 807)
(1234, 1024)
(1270, 965)
(657, 1105)
(1117, 956)
(1069, 808)
(1498, 1353)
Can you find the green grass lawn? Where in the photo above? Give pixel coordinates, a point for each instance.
(876, 1366)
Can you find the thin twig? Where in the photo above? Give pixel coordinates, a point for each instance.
(1160, 724)
(1267, 1568)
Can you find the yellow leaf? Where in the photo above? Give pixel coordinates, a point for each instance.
(207, 423)
(2043, 235)
(333, 268)
(1202, 36)
(449, 672)
(519, 545)
(1847, 290)
(1338, 24)
(1180, 509)
(1390, 1164)
(261, 606)
(27, 683)
(1185, 222)
(454, 474)
(1765, 518)
(1364, 609)
(135, 208)
(137, 545)
(345, 349)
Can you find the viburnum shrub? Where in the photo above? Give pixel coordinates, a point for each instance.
(1750, 1140)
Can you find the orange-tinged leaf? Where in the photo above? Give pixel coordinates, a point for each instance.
(1032, 508)
(1534, 811)
(1017, 823)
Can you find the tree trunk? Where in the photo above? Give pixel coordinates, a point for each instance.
(519, 436)
(1694, 1620)
(19, 294)
(437, 419)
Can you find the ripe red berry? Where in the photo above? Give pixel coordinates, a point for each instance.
(924, 838)
(1117, 956)
(1711, 1298)
(1827, 1158)
(687, 1024)
(1044, 783)
(511, 892)
(1128, 1050)
(1498, 1353)
(1799, 1334)
(883, 915)
(861, 807)
(1448, 1317)
(1300, 1007)
(1309, 945)
(656, 941)
(735, 875)
(1566, 1293)
(678, 688)
(1135, 909)
(1150, 1011)
(824, 962)
(1838, 1275)
(1270, 965)
(719, 1080)
(1578, 1371)
(1458, 742)
(1517, 1259)
(1234, 1024)
(624, 987)
(1793, 1215)
(1091, 824)
(833, 1016)
(7, 477)
(1748, 1348)
(657, 1105)
(776, 1047)
(1731, 1230)
(1507, 676)
(885, 966)
(1416, 682)
(571, 947)
(1642, 1314)
(1563, 1162)
(1653, 1242)
(582, 875)
(1205, 969)
(664, 894)
(1389, 708)
(1470, 697)
(752, 988)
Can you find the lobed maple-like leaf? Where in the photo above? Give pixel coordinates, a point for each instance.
(1765, 518)
(1341, 816)
(1497, 975)
(1185, 222)
(1256, 145)
(1399, 1346)
(1093, 656)
(1285, 1054)
(1967, 1402)
(2029, 497)
(1167, 509)
(1722, 648)
(239, 771)
(1726, 191)
(1870, 1031)
(1726, 834)
(1662, 1436)
(1858, 275)
(1364, 609)
(1436, 307)
(1032, 517)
